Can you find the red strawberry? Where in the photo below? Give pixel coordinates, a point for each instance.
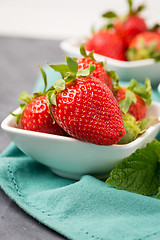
(144, 45)
(85, 107)
(100, 72)
(130, 25)
(35, 115)
(134, 99)
(107, 43)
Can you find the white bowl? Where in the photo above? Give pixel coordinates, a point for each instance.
(126, 70)
(72, 158)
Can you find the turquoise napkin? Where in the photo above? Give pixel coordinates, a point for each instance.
(84, 209)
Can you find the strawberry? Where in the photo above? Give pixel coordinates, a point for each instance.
(84, 106)
(144, 45)
(107, 43)
(35, 115)
(100, 71)
(130, 25)
(134, 98)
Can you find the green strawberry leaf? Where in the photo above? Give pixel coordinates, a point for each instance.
(130, 4)
(133, 84)
(69, 76)
(131, 53)
(25, 97)
(156, 56)
(72, 65)
(84, 54)
(109, 26)
(140, 172)
(87, 71)
(83, 51)
(132, 129)
(59, 85)
(62, 68)
(155, 27)
(51, 98)
(109, 14)
(90, 55)
(114, 77)
(142, 43)
(140, 8)
(152, 45)
(18, 116)
(143, 91)
(127, 101)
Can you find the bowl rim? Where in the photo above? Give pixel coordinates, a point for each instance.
(5, 126)
(69, 45)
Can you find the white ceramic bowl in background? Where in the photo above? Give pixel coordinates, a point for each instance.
(126, 70)
(72, 158)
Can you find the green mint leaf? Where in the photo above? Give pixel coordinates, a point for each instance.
(61, 68)
(140, 172)
(72, 65)
(44, 77)
(127, 101)
(59, 85)
(109, 14)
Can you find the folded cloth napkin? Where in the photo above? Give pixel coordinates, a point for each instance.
(84, 209)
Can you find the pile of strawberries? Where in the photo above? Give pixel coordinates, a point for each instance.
(126, 38)
(87, 103)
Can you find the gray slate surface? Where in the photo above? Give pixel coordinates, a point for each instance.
(18, 72)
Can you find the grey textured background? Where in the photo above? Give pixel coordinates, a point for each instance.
(19, 59)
